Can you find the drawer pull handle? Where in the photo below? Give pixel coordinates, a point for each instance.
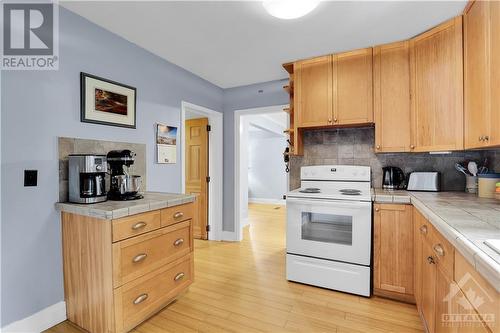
(179, 276)
(139, 257)
(430, 260)
(423, 229)
(439, 250)
(178, 215)
(141, 298)
(178, 242)
(139, 225)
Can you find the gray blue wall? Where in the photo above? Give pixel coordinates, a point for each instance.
(39, 106)
(240, 98)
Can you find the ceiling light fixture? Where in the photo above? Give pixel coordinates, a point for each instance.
(289, 9)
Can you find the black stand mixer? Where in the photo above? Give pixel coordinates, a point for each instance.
(123, 186)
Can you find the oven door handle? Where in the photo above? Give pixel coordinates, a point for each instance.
(328, 202)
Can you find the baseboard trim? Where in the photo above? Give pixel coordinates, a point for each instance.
(40, 321)
(230, 236)
(267, 201)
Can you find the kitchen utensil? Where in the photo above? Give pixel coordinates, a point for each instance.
(461, 169)
(472, 167)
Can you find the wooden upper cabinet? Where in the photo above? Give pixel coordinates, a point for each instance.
(353, 87)
(393, 251)
(495, 73)
(391, 97)
(313, 92)
(476, 74)
(436, 71)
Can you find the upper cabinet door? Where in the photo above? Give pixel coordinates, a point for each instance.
(313, 92)
(477, 75)
(494, 136)
(353, 87)
(391, 97)
(437, 88)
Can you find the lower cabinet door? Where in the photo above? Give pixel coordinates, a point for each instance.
(141, 298)
(446, 301)
(428, 287)
(393, 251)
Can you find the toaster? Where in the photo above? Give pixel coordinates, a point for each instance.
(424, 181)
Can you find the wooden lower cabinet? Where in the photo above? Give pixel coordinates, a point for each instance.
(117, 273)
(441, 291)
(393, 252)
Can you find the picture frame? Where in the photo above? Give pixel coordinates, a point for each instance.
(107, 102)
(166, 144)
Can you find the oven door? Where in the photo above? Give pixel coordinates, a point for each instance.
(330, 229)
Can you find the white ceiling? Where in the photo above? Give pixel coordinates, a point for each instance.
(237, 43)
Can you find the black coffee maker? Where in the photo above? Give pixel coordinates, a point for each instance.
(123, 186)
(393, 178)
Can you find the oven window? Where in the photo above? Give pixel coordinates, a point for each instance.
(328, 228)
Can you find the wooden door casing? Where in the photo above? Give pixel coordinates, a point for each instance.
(353, 87)
(196, 150)
(437, 88)
(313, 92)
(391, 97)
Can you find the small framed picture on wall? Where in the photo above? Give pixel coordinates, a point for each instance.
(166, 144)
(107, 102)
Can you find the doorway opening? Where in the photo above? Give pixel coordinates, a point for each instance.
(260, 176)
(202, 163)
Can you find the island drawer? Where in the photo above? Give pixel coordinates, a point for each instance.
(140, 255)
(177, 214)
(134, 225)
(141, 298)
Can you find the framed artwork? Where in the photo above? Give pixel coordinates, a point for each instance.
(107, 102)
(166, 144)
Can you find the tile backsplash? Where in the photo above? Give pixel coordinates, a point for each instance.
(67, 146)
(355, 147)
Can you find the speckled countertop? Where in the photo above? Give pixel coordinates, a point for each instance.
(463, 219)
(116, 209)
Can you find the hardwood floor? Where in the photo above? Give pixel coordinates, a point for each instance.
(241, 287)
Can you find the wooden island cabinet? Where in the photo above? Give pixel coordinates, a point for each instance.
(119, 272)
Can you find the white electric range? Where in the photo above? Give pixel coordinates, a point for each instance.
(329, 228)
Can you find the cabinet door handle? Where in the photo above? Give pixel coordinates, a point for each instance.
(139, 225)
(335, 120)
(378, 146)
(423, 229)
(439, 250)
(486, 138)
(140, 257)
(329, 120)
(481, 138)
(179, 276)
(141, 298)
(430, 260)
(412, 146)
(178, 215)
(377, 209)
(178, 242)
